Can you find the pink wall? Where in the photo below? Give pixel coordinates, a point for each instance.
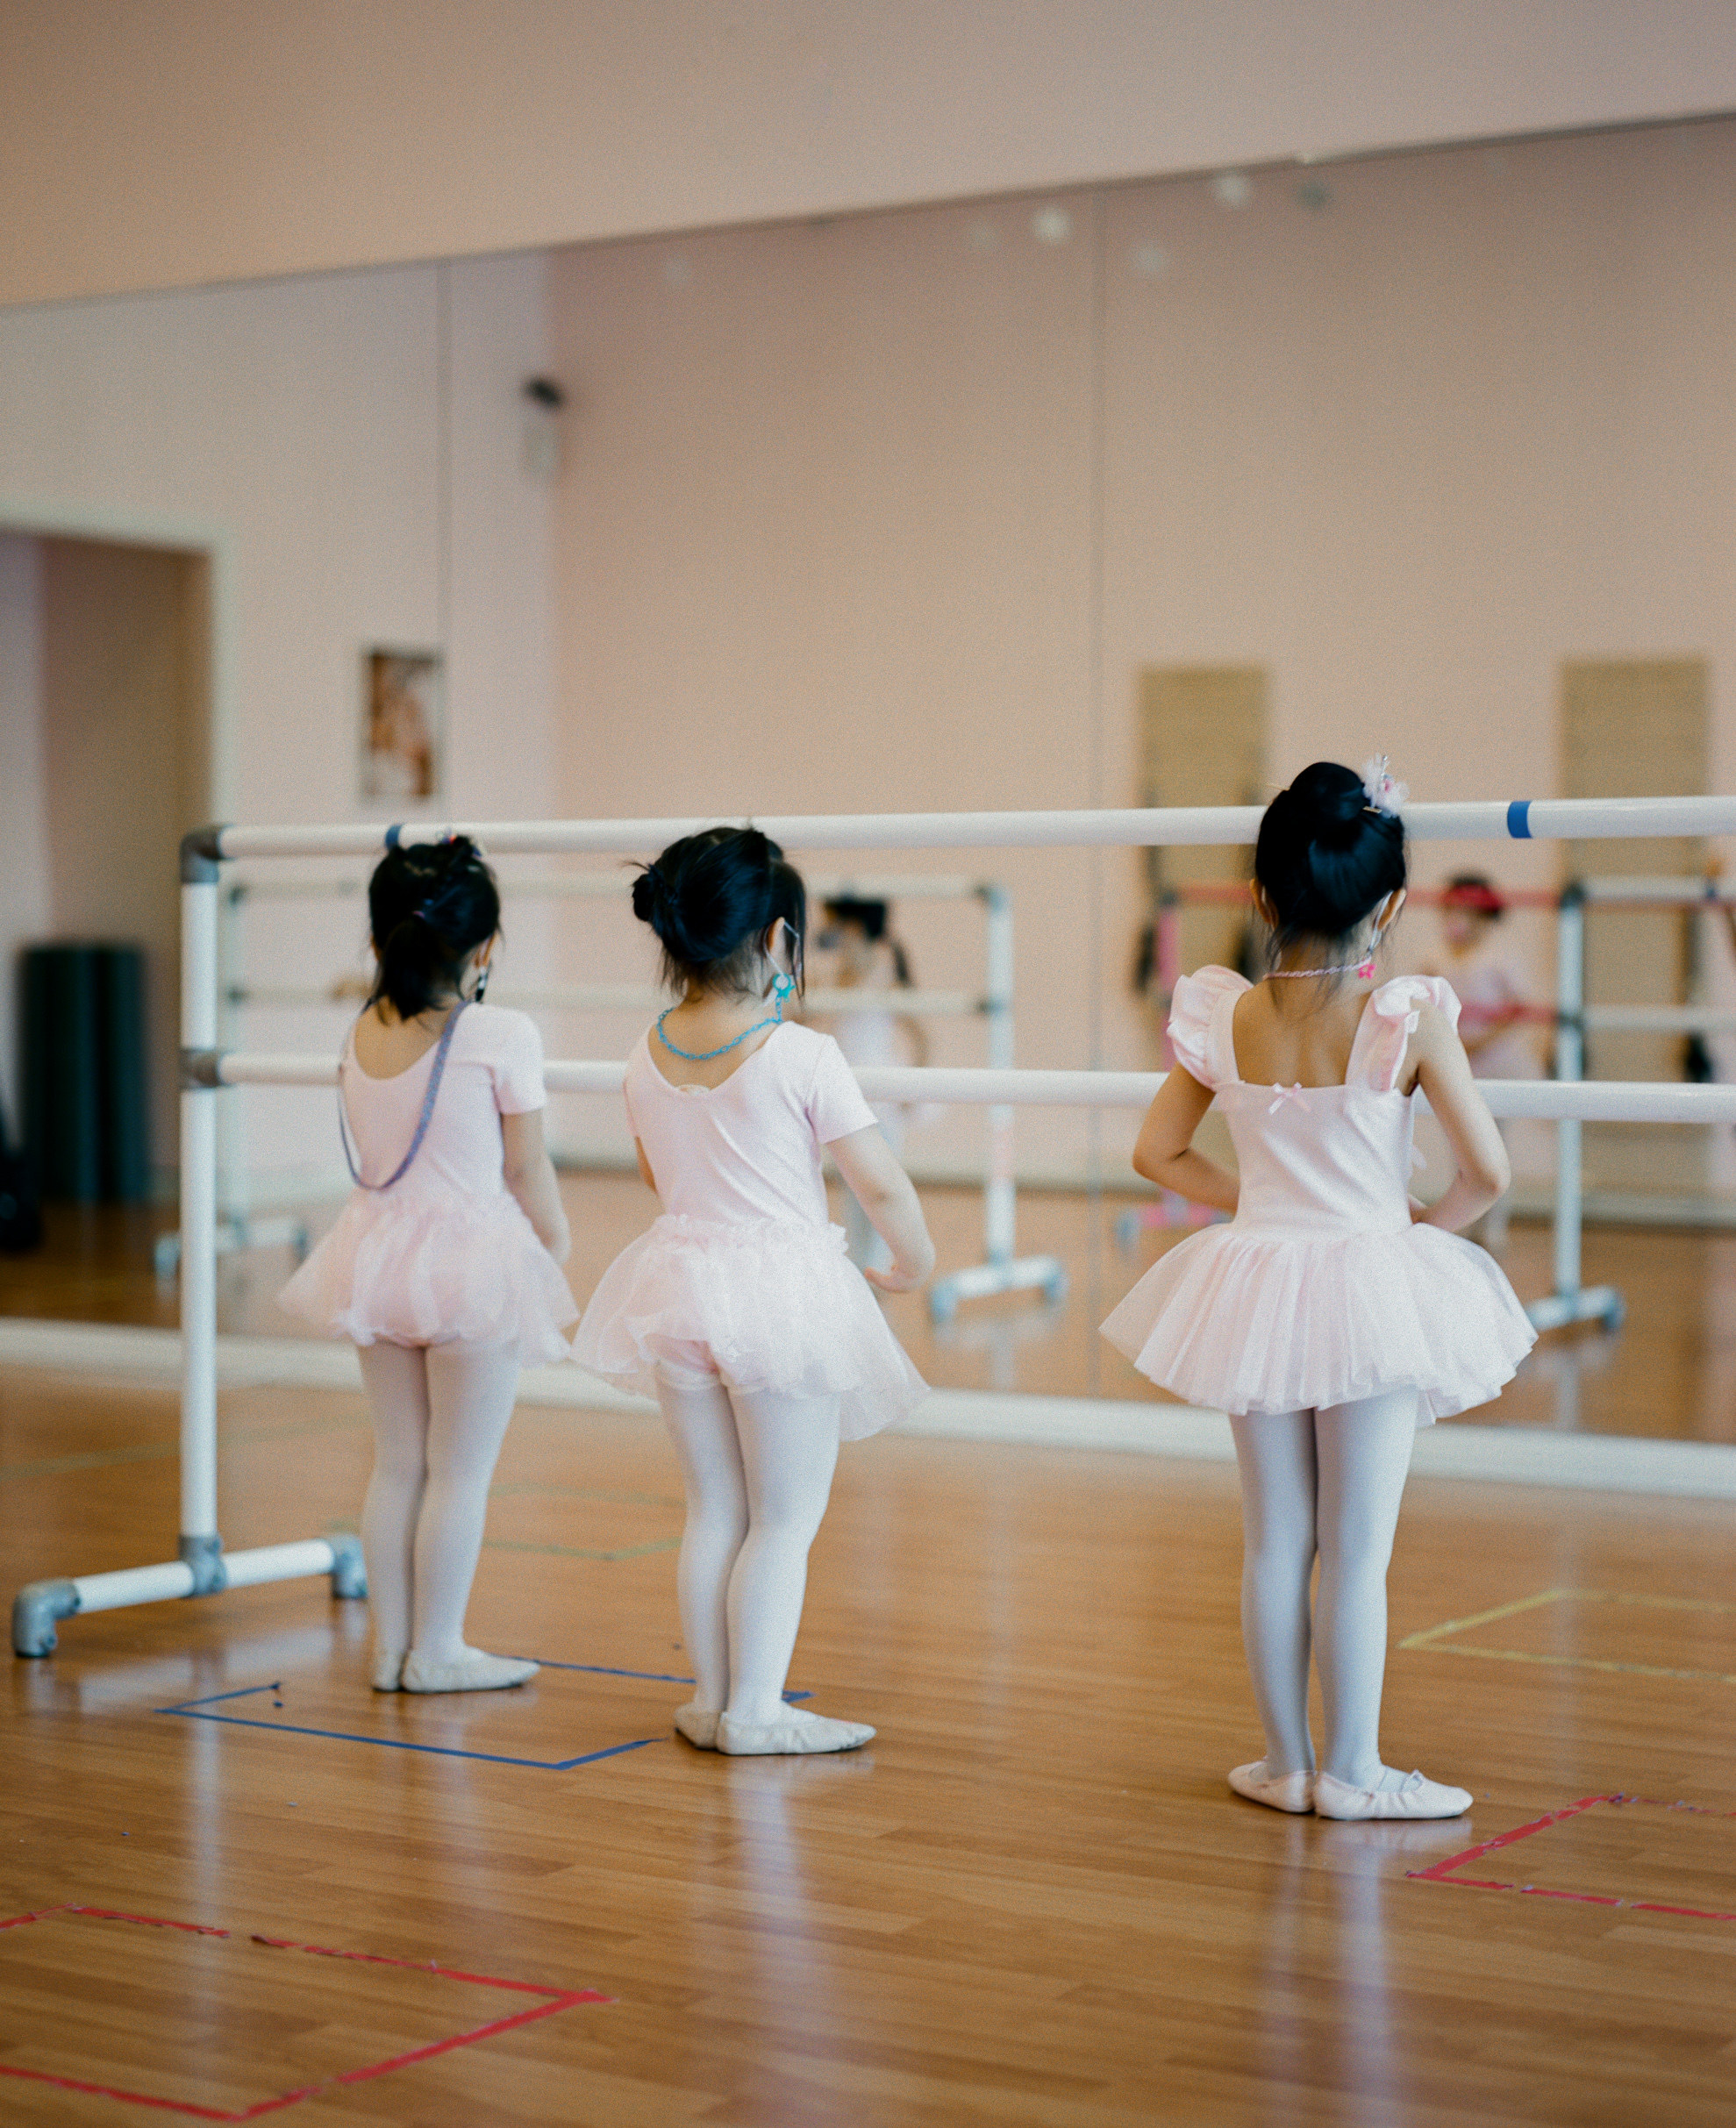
(827, 537)
(187, 142)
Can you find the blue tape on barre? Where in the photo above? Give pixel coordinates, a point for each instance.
(392, 834)
(1518, 819)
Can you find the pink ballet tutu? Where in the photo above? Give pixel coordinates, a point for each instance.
(419, 1267)
(1249, 1322)
(764, 1304)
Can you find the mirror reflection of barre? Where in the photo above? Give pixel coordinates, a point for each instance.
(1002, 1269)
(203, 1567)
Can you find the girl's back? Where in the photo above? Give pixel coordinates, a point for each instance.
(747, 1145)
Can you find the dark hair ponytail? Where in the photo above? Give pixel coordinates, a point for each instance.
(1326, 857)
(429, 905)
(712, 898)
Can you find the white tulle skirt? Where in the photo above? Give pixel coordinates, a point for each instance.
(1244, 1322)
(424, 1267)
(770, 1305)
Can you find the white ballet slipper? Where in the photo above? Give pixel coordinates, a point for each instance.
(795, 1730)
(472, 1672)
(388, 1671)
(1291, 1792)
(1414, 1797)
(698, 1724)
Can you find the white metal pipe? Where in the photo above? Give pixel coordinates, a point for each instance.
(1490, 819)
(622, 997)
(1000, 1205)
(288, 1562)
(1659, 1019)
(611, 886)
(1679, 892)
(133, 1585)
(198, 1217)
(1588, 1101)
(1569, 1073)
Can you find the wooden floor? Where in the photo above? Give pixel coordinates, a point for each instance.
(1032, 1899)
(1669, 1373)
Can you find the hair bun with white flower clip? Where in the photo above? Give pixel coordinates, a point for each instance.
(1383, 791)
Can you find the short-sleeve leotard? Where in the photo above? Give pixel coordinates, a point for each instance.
(743, 1278)
(447, 1251)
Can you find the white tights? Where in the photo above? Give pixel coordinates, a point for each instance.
(757, 1470)
(1327, 1482)
(441, 1413)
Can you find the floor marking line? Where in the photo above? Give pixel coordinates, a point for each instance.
(419, 1965)
(200, 1710)
(1485, 1617)
(147, 1921)
(1506, 1839)
(1578, 1662)
(558, 1999)
(132, 2098)
(1440, 1874)
(435, 1751)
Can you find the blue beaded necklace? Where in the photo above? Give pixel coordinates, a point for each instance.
(782, 988)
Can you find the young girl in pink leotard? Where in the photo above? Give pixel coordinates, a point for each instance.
(739, 1310)
(442, 1265)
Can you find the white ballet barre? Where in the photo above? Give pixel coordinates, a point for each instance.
(1480, 820)
(1543, 1100)
(629, 997)
(605, 886)
(204, 1569)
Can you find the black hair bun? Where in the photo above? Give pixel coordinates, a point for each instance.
(1326, 856)
(712, 896)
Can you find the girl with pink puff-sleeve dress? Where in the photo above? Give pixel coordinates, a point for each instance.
(1322, 1290)
(1330, 1324)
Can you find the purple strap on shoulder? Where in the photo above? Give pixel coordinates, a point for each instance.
(422, 1121)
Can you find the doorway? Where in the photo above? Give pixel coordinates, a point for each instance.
(105, 707)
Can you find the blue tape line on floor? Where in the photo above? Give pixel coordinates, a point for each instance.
(437, 1751)
(195, 1711)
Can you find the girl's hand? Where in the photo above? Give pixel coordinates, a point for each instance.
(896, 1280)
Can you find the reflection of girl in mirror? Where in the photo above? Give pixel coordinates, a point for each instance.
(1333, 1315)
(865, 954)
(1496, 1016)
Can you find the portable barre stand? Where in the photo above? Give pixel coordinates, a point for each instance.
(204, 1569)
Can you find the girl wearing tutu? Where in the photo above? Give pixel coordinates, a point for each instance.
(1333, 1315)
(441, 1266)
(739, 1310)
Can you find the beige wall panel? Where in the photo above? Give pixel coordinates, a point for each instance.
(1633, 727)
(151, 143)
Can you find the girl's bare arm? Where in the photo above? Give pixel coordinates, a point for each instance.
(1164, 1151)
(870, 1169)
(1443, 1073)
(530, 1176)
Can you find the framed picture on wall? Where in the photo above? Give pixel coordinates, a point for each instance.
(402, 725)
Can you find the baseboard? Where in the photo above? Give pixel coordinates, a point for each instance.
(1509, 1455)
